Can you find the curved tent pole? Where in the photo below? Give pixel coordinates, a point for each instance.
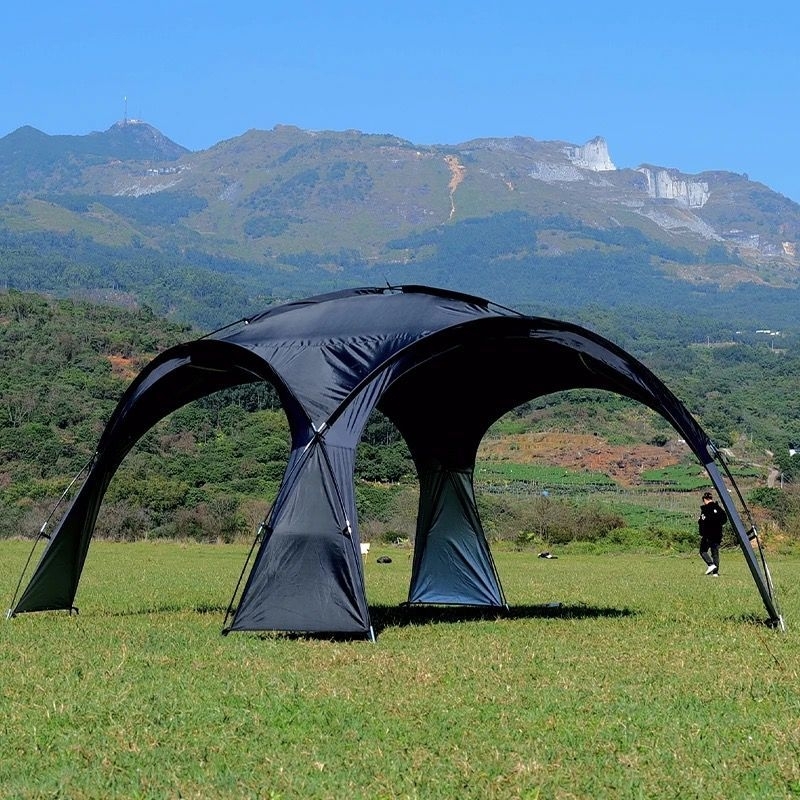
(761, 575)
(230, 613)
(382, 368)
(752, 533)
(706, 452)
(213, 334)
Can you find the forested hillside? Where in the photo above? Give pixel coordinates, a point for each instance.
(128, 217)
(210, 470)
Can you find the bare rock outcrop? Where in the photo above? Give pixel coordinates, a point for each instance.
(665, 185)
(593, 155)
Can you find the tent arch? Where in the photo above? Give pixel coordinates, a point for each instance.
(189, 372)
(178, 376)
(444, 450)
(442, 366)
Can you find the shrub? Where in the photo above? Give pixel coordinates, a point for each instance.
(218, 520)
(553, 521)
(375, 501)
(564, 522)
(777, 502)
(123, 522)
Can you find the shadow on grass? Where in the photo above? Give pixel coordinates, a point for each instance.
(169, 608)
(404, 615)
(752, 619)
(384, 616)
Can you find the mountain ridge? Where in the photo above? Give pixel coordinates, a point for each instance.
(297, 208)
(547, 162)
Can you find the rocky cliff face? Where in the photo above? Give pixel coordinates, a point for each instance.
(555, 173)
(665, 185)
(593, 155)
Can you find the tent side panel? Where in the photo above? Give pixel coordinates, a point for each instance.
(54, 584)
(452, 562)
(308, 574)
(178, 376)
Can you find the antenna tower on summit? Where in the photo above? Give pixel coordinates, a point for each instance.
(125, 115)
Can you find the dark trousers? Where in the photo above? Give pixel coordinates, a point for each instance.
(709, 551)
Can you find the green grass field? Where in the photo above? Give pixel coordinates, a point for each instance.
(648, 681)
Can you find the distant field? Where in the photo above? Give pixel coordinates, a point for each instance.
(507, 472)
(686, 477)
(680, 477)
(647, 681)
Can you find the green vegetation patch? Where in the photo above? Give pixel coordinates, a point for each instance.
(159, 208)
(677, 477)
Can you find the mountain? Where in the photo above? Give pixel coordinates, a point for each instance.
(287, 211)
(31, 162)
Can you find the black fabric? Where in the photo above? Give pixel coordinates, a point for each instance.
(308, 573)
(442, 365)
(452, 562)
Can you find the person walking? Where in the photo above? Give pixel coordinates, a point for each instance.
(712, 518)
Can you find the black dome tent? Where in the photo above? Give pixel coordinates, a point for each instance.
(443, 367)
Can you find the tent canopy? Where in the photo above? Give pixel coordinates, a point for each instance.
(443, 367)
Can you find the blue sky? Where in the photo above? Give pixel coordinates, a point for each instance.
(690, 85)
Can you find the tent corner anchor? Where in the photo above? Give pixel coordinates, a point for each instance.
(776, 623)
